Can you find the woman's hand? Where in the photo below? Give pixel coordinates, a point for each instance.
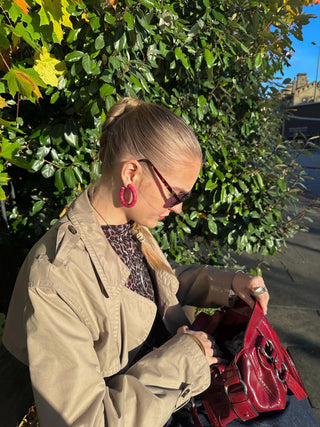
(206, 343)
(250, 288)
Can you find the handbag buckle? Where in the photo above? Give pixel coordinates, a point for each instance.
(282, 375)
(245, 389)
(268, 350)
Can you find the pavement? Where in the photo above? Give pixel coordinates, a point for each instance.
(293, 279)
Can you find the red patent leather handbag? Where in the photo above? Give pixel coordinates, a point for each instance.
(257, 376)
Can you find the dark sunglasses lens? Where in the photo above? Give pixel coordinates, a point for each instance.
(184, 197)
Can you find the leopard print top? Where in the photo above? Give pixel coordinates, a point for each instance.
(128, 248)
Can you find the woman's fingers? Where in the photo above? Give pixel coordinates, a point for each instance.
(183, 329)
(218, 361)
(261, 294)
(207, 343)
(250, 288)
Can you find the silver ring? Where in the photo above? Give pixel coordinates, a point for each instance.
(259, 291)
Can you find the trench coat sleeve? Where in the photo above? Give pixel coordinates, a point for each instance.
(69, 387)
(204, 285)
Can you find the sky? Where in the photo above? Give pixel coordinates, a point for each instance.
(305, 57)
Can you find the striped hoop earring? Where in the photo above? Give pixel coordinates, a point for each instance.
(133, 193)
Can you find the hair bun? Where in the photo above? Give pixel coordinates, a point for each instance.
(119, 109)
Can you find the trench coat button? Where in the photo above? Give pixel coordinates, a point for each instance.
(72, 229)
(185, 392)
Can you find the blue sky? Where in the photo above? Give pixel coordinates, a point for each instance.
(305, 57)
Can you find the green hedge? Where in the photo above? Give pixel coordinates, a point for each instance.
(64, 63)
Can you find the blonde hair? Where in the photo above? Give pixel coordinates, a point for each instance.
(146, 131)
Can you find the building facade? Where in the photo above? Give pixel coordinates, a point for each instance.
(300, 91)
(302, 118)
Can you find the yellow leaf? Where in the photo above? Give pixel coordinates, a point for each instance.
(27, 86)
(3, 103)
(56, 12)
(23, 5)
(84, 17)
(25, 81)
(48, 67)
(62, 212)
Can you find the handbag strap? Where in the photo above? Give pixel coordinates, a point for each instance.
(194, 414)
(295, 387)
(292, 378)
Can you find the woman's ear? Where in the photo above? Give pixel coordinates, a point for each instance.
(131, 170)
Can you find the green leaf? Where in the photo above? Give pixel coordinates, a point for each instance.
(70, 135)
(54, 98)
(20, 162)
(58, 181)
(109, 19)
(212, 226)
(78, 174)
(74, 56)
(48, 170)
(128, 17)
(73, 35)
(148, 3)
(21, 31)
(2, 193)
(10, 125)
(202, 101)
(260, 181)
(121, 41)
(106, 90)
(42, 152)
(70, 178)
(87, 63)
(258, 60)
(99, 42)
(8, 149)
(208, 56)
(36, 207)
(95, 22)
(36, 165)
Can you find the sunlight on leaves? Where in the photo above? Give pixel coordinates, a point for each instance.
(48, 67)
(25, 81)
(3, 103)
(9, 149)
(55, 12)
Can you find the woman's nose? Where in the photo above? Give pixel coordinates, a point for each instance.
(177, 208)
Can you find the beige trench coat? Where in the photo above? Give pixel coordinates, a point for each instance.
(77, 326)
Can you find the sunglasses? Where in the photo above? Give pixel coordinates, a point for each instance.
(174, 199)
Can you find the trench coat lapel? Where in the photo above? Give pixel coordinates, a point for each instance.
(100, 251)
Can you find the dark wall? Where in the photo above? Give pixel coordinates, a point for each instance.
(302, 121)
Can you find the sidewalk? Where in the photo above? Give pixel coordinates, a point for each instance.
(293, 280)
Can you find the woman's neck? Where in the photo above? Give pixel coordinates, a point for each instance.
(106, 208)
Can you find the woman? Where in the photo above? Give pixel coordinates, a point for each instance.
(97, 312)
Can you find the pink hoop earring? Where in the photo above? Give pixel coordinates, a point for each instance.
(134, 196)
